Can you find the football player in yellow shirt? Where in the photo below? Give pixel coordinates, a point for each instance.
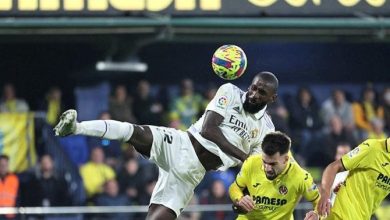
(366, 185)
(275, 183)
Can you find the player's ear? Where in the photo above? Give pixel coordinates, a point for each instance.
(274, 97)
(286, 157)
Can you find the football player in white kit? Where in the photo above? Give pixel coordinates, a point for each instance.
(232, 128)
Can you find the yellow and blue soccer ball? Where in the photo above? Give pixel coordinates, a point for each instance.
(229, 62)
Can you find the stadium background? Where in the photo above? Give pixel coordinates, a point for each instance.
(44, 44)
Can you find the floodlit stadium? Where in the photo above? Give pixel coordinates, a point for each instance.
(317, 71)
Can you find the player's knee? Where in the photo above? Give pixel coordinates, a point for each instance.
(157, 217)
(159, 212)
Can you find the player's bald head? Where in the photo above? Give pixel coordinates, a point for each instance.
(269, 78)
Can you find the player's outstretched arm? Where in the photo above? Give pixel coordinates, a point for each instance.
(212, 132)
(235, 192)
(326, 184)
(311, 193)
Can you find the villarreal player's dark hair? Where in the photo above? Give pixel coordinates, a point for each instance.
(276, 142)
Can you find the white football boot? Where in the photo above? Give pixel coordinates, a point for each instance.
(67, 124)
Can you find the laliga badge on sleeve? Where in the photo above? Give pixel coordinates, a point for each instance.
(222, 102)
(354, 152)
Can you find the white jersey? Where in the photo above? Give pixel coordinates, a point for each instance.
(242, 129)
(339, 179)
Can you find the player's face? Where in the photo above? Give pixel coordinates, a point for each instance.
(274, 165)
(259, 94)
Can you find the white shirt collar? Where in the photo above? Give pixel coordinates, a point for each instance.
(258, 115)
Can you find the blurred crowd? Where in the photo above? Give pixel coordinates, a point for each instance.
(114, 174)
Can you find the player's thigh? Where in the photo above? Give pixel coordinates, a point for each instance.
(142, 139)
(165, 149)
(180, 170)
(173, 152)
(160, 212)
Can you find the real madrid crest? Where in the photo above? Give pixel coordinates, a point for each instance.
(254, 133)
(283, 190)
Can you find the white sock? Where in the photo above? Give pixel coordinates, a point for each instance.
(107, 129)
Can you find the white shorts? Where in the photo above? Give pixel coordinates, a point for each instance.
(180, 170)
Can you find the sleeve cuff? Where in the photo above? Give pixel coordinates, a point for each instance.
(239, 185)
(342, 163)
(315, 198)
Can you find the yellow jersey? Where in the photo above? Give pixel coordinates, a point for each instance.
(367, 183)
(274, 199)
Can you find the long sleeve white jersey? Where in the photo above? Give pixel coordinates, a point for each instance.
(242, 129)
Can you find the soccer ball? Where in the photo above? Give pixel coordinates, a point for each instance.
(229, 62)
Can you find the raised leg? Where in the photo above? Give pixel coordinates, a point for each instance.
(139, 136)
(160, 212)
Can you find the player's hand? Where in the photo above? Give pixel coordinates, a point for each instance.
(312, 215)
(324, 204)
(246, 203)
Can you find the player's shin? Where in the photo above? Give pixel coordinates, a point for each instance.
(107, 129)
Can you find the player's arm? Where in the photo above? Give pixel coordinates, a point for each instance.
(311, 194)
(241, 203)
(326, 184)
(211, 131)
(362, 157)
